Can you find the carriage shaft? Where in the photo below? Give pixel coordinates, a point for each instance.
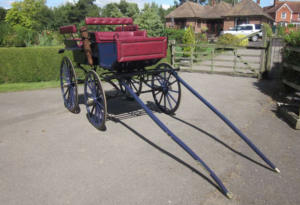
(230, 124)
(176, 139)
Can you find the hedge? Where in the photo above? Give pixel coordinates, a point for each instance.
(30, 64)
(23, 65)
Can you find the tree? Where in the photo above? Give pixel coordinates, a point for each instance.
(150, 21)
(25, 13)
(3, 12)
(132, 10)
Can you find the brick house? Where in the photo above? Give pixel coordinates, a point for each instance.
(216, 17)
(284, 12)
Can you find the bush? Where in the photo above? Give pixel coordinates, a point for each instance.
(226, 39)
(244, 42)
(268, 30)
(280, 31)
(174, 34)
(30, 64)
(188, 38)
(5, 29)
(292, 57)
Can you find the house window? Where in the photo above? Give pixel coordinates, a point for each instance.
(199, 23)
(298, 16)
(239, 21)
(283, 15)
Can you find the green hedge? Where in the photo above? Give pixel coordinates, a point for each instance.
(30, 64)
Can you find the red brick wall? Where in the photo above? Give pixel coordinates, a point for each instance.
(288, 14)
(295, 17)
(228, 22)
(168, 23)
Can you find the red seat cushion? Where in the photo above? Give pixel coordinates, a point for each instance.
(68, 29)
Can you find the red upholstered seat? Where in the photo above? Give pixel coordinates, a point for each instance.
(68, 29)
(108, 21)
(101, 37)
(128, 28)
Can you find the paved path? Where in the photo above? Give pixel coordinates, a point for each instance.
(51, 156)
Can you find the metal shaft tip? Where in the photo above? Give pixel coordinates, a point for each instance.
(277, 170)
(228, 195)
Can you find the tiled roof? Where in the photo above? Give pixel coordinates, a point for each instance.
(294, 6)
(187, 10)
(247, 8)
(194, 10)
(217, 11)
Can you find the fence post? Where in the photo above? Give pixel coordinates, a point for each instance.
(235, 55)
(263, 52)
(212, 60)
(172, 42)
(269, 54)
(192, 57)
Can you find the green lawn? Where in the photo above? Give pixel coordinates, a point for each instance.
(14, 87)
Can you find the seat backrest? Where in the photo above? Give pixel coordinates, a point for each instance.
(67, 29)
(128, 28)
(108, 21)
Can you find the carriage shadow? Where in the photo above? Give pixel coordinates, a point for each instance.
(119, 111)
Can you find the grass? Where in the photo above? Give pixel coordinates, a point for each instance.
(14, 87)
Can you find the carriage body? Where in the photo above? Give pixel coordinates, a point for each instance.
(126, 48)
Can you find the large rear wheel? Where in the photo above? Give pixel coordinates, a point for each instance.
(95, 100)
(68, 85)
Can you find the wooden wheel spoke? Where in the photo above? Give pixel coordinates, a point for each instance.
(169, 102)
(100, 105)
(172, 97)
(165, 101)
(66, 92)
(134, 87)
(157, 93)
(162, 94)
(173, 82)
(174, 91)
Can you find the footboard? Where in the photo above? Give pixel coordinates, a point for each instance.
(136, 49)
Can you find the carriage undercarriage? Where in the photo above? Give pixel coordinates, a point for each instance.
(128, 77)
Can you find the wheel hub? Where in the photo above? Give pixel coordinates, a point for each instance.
(91, 101)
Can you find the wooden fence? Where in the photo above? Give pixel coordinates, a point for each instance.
(214, 60)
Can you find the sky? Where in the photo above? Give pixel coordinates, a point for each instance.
(101, 3)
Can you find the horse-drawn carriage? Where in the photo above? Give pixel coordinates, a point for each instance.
(125, 54)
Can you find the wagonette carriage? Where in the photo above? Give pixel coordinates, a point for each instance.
(125, 54)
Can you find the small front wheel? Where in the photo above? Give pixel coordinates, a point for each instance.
(135, 84)
(95, 100)
(166, 89)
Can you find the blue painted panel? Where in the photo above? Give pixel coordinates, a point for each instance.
(107, 54)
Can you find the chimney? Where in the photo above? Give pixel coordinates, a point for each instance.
(213, 2)
(258, 2)
(276, 2)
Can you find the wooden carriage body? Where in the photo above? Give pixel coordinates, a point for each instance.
(126, 47)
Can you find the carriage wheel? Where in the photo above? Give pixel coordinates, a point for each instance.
(166, 89)
(134, 84)
(68, 85)
(95, 100)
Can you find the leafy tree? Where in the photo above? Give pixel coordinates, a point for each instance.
(132, 10)
(61, 16)
(3, 12)
(25, 13)
(150, 21)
